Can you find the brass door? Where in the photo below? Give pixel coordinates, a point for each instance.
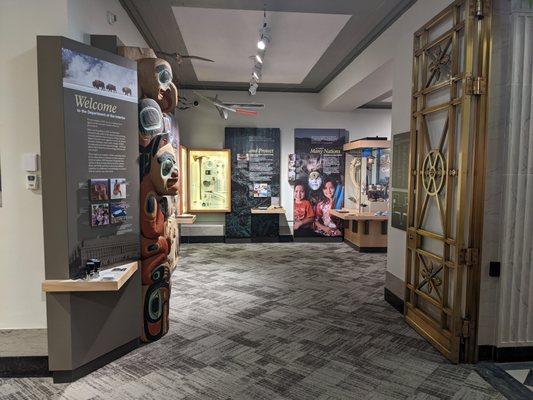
(447, 103)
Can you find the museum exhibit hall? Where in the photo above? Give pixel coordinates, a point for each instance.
(259, 200)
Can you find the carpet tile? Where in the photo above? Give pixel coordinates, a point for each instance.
(275, 321)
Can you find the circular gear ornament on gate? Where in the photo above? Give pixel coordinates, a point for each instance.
(433, 172)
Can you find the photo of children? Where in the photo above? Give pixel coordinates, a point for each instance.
(325, 224)
(304, 216)
(100, 214)
(118, 188)
(99, 189)
(119, 212)
(319, 184)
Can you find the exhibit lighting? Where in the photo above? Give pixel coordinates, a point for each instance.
(265, 34)
(253, 87)
(264, 39)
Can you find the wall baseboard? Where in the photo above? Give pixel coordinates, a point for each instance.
(202, 239)
(317, 239)
(505, 354)
(394, 301)
(24, 367)
(286, 238)
(75, 374)
(237, 240)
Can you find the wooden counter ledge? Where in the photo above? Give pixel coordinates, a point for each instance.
(186, 219)
(279, 210)
(96, 285)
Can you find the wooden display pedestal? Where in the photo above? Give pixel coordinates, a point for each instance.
(364, 231)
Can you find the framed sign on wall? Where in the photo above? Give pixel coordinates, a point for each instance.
(209, 178)
(400, 160)
(400, 178)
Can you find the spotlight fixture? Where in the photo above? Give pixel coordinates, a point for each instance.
(265, 34)
(253, 88)
(264, 39)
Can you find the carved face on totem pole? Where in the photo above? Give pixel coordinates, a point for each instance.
(155, 81)
(164, 171)
(150, 121)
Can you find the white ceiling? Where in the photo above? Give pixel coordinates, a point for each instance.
(229, 37)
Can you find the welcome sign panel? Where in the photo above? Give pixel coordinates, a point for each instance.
(100, 116)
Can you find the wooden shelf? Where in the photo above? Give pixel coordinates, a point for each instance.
(366, 144)
(95, 285)
(353, 215)
(186, 219)
(279, 210)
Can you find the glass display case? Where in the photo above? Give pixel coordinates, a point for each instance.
(184, 181)
(369, 175)
(209, 178)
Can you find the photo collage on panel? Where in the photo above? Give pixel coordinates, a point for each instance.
(107, 198)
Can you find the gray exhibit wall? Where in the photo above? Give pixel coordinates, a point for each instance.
(255, 160)
(90, 185)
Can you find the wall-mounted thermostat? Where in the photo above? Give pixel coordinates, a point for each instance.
(32, 181)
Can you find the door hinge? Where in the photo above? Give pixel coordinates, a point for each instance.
(465, 328)
(469, 256)
(475, 86)
(479, 8)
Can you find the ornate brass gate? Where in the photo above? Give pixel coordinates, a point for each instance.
(447, 143)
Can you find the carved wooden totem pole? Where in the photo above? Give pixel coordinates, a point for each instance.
(158, 162)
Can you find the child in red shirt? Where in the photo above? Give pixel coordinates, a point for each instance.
(303, 212)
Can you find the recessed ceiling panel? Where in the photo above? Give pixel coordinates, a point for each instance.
(229, 37)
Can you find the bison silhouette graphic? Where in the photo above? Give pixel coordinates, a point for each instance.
(98, 84)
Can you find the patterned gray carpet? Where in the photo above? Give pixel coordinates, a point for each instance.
(275, 321)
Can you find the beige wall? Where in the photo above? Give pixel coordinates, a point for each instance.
(22, 305)
(202, 127)
(395, 46)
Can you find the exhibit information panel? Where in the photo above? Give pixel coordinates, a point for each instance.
(100, 114)
(209, 180)
(318, 175)
(255, 177)
(90, 191)
(400, 175)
